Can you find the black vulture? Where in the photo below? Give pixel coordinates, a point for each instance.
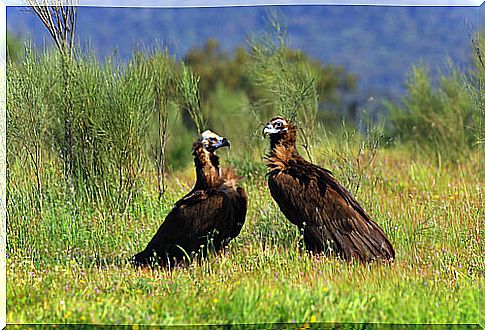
(331, 220)
(205, 219)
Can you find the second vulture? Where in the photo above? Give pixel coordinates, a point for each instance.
(331, 220)
(205, 219)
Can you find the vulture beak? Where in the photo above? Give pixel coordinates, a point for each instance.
(223, 143)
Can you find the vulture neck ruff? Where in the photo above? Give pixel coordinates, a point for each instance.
(282, 149)
(206, 167)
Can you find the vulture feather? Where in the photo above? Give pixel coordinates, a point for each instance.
(331, 220)
(205, 219)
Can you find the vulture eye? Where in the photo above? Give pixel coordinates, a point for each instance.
(212, 139)
(277, 124)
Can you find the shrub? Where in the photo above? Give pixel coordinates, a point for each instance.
(287, 86)
(438, 121)
(119, 117)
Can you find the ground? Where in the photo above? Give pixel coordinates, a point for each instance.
(431, 213)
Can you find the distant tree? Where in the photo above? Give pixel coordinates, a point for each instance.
(215, 66)
(332, 80)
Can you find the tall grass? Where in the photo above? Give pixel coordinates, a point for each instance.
(350, 153)
(29, 119)
(431, 215)
(112, 109)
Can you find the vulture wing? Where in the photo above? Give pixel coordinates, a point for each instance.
(331, 218)
(240, 202)
(197, 218)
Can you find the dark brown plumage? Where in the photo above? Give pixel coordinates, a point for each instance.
(205, 219)
(331, 219)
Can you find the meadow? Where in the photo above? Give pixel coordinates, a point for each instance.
(431, 214)
(99, 152)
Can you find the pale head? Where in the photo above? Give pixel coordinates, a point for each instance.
(211, 141)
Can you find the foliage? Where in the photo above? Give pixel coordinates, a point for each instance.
(353, 153)
(189, 98)
(217, 67)
(60, 20)
(474, 84)
(252, 85)
(15, 48)
(378, 54)
(236, 74)
(286, 88)
(29, 118)
(439, 121)
(112, 110)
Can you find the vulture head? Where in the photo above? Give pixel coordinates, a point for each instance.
(281, 131)
(276, 126)
(211, 141)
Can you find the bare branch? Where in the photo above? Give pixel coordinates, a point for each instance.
(478, 52)
(59, 20)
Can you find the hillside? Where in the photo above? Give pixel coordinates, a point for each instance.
(377, 44)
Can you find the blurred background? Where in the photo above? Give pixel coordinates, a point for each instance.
(144, 81)
(375, 45)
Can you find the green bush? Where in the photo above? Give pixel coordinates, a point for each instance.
(31, 86)
(270, 76)
(287, 85)
(438, 121)
(115, 114)
(228, 112)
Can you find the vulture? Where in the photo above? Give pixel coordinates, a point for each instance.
(205, 219)
(331, 220)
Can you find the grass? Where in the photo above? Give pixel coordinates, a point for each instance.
(432, 215)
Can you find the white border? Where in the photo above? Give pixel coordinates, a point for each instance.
(246, 3)
(3, 165)
(151, 4)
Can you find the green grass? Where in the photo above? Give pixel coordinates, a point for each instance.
(431, 214)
